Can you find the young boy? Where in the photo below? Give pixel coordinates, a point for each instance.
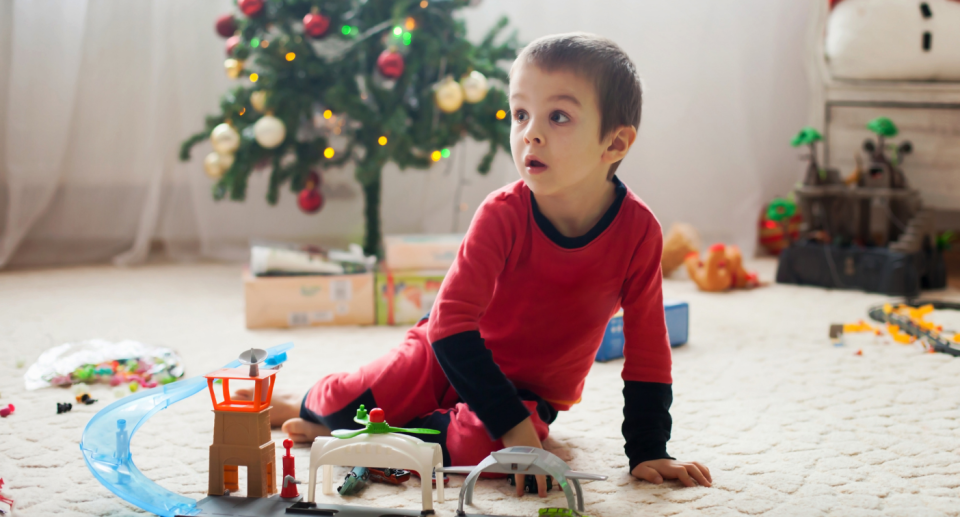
(545, 264)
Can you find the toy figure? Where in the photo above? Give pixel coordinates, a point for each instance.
(721, 270)
(354, 482)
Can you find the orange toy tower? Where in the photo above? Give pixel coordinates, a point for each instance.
(241, 432)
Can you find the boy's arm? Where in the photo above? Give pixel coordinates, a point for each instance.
(454, 330)
(647, 390)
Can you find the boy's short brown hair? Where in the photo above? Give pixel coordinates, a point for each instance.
(614, 76)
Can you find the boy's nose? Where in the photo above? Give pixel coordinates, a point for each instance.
(533, 135)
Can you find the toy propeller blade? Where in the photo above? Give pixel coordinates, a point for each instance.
(347, 433)
(415, 430)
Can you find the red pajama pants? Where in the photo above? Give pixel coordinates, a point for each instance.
(411, 388)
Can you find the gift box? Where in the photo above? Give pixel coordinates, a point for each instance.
(405, 297)
(421, 252)
(308, 300)
(677, 315)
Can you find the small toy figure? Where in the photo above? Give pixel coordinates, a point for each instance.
(64, 407)
(354, 482)
(5, 412)
(289, 489)
(85, 398)
(5, 499)
(721, 270)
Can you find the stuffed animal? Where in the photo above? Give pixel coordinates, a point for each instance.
(680, 241)
(720, 270)
(894, 40)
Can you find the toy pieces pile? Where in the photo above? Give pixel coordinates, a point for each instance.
(143, 372)
(720, 270)
(916, 315)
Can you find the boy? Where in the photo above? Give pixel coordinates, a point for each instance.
(545, 264)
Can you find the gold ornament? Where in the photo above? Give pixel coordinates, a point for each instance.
(449, 95)
(269, 131)
(258, 100)
(213, 167)
(233, 67)
(225, 139)
(474, 86)
(226, 161)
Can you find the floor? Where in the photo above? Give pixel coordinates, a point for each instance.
(787, 423)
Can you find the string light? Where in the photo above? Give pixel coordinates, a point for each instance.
(345, 30)
(264, 43)
(397, 31)
(445, 153)
(254, 76)
(424, 4)
(501, 115)
(255, 42)
(382, 140)
(407, 37)
(242, 111)
(327, 114)
(410, 23)
(436, 155)
(291, 56)
(328, 153)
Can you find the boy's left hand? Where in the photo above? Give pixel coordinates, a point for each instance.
(655, 471)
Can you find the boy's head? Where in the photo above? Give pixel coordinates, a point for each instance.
(575, 101)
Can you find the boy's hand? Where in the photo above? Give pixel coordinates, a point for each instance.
(655, 471)
(524, 435)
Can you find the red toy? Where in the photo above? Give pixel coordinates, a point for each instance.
(389, 476)
(5, 499)
(289, 489)
(7, 410)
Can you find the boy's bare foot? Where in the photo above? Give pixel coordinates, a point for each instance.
(301, 431)
(285, 405)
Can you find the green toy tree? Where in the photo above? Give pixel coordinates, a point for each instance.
(809, 137)
(332, 82)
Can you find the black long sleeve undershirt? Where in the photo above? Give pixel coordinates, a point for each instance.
(646, 420)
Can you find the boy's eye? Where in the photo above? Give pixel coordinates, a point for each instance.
(559, 117)
(520, 116)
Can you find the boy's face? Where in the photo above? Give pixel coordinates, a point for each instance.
(555, 134)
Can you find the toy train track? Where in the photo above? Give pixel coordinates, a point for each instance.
(912, 323)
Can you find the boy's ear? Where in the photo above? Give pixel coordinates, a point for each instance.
(620, 141)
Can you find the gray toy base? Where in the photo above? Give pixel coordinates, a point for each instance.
(234, 506)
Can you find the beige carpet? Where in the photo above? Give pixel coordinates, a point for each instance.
(788, 424)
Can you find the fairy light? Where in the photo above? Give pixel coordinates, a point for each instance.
(397, 31)
(382, 140)
(445, 153)
(407, 37)
(254, 76)
(424, 4)
(501, 115)
(327, 114)
(264, 43)
(291, 56)
(345, 30)
(410, 23)
(328, 153)
(436, 155)
(242, 111)
(255, 42)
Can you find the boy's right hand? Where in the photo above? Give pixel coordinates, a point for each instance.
(524, 435)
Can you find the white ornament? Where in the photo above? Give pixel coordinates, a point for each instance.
(269, 131)
(225, 139)
(226, 161)
(258, 100)
(213, 166)
(475, 87)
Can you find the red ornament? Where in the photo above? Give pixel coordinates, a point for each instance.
(390, 63)
(376, 415)
(232, 43)
(310, 200)
(315, 24)
(251, 7)
(226, 25)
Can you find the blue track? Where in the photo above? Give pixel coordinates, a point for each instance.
(106, 442)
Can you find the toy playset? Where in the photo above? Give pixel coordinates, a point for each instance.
(868, 231)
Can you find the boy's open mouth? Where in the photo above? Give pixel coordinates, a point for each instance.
(533, 164)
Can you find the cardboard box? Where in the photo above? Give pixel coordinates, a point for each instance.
(301, 301)
(421, 252)
(678, 318)
(405, 297)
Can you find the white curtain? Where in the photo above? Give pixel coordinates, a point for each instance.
(96, 95)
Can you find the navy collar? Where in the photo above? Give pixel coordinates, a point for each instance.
(578, 242)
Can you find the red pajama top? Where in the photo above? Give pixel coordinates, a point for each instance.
(540, 307)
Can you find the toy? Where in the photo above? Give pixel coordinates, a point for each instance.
(907, 321)
(289, 488)
(5, 499)
(390, 476)
(5, 412)
(64, 407)
(720, 270)
(526, 461)
(375, 444)
(680, 241)
(354, 482)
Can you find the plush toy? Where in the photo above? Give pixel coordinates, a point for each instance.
(680, 241)
(720, 270)
(894, 40)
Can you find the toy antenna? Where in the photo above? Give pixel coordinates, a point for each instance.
(253, 357)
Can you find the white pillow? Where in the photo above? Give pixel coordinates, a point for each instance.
(884, 40)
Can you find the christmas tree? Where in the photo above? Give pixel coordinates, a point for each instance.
(327, 83)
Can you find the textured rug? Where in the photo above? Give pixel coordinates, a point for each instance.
(787, 423)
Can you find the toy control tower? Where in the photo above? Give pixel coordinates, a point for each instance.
(241, 433)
